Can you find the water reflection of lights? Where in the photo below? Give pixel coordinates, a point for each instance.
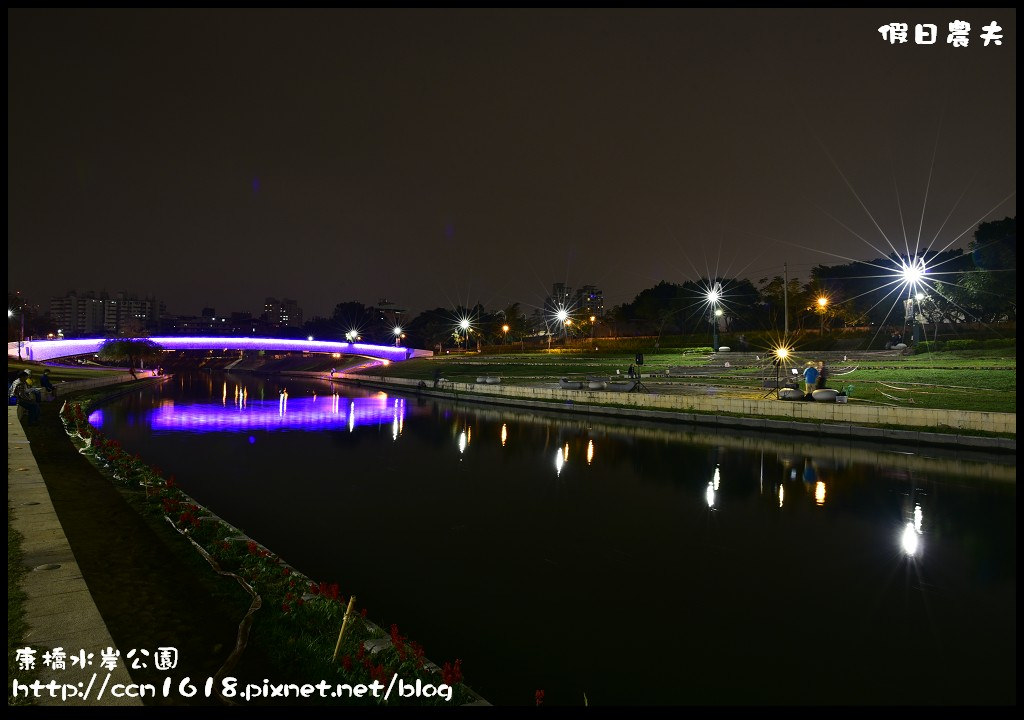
(782, 494)
(559, 462)
(717, 479)
(301, 414)
(565, 453)
(224, 395)
(590, 452)
(819, 493)
(709, 494)
(908, 539)
(918, 518)
(462, 441)
(469, 435)
(504, 434)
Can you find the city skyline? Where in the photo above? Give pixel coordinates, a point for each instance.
(443, 158)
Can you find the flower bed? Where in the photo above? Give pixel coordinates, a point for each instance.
(297, 619)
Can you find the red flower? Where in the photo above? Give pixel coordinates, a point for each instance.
(286, 571)
(314, 588)
(346, 662)
(285, 607)
(171, 482)
(363, 612)
(452, 674)
(300, 602)
(539, 697)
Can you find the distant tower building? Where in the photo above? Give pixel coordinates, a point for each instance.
(388, 314)
(83, 314)
(282, 313)
(78, 315)
(561, 295)
(590, 301)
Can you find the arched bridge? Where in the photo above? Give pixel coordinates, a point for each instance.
(40, 350)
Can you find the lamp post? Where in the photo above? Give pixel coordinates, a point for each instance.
(563, 317)
(822, 305)
(713, 296)
(464, 325)
(21, 337)
(505, 329)
(593, 326)
(398, 334)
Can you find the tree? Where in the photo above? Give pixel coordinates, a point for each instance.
(991, 286)
(132, 351)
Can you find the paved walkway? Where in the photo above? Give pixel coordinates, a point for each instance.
(60, 610)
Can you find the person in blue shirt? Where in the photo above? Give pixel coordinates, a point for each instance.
(810, 378)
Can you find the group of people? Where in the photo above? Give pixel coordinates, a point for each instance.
(27, 395)
(895, 338)
(815, 376)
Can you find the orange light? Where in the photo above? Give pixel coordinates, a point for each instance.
(822, 301)
(504, 328)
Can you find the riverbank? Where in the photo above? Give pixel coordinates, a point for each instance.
(952, 428)
(118, 595)
(148, 589)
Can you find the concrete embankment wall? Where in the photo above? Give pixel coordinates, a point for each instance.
(832, 419)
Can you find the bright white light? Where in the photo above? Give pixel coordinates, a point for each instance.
(310, 338)
(919, 296)
(819, 493)
(10, 313)
(717, 479)
(918, 518)
(464, 324)
(462, 442)
(559, 462)
(782, 353)
(782, 494)
(504, 434)
(590, 452)
(909, 539)
(562, 315)
(397, 331)
(718, 312)
(709, 494)
(714, 295)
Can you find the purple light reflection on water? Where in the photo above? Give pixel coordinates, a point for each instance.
(323, 413)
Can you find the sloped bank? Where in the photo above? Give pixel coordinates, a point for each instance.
(298, 619)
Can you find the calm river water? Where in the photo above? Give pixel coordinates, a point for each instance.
(628, 563)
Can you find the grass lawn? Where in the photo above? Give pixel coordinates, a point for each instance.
(984, 380)
(59, 373)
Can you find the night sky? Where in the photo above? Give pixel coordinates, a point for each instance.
(214, 158)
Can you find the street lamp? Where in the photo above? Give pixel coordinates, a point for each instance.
(822, 306)
(21, 337)
(464, 325)
(593, 326)
(713, 297)
(505, 329)
(398, 334)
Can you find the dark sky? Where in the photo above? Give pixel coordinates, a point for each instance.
(213, 158)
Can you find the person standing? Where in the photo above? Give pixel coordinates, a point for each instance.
(810, 378)
(822, 375)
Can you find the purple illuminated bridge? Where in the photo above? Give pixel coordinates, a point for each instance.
(40, 350)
